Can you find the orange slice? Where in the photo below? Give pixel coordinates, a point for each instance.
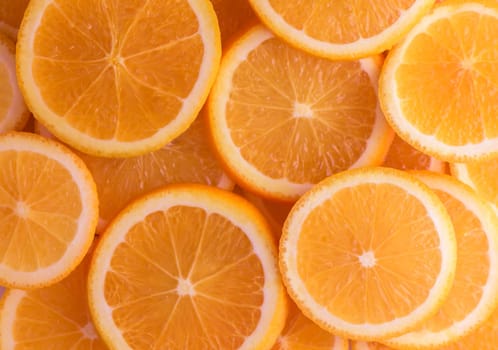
(300, 333)
(48, 210)
(403, 156)
(339, 30)
(187, 267)
(13, 111)
(54, 317)
(437, 87)
(360, 345)
(187, 159)
(233, 16)
(283, 120)
(474, 294)
(274, 212)
(11, 14)
(483, 338)
(481, 176)
(368, 253)
(117, 80)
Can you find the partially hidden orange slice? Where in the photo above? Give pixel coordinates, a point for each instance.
(300, 333)
(437, 87)
(485, 337)
(11, 14)
(368, 253)
(187, 159)
(403, 156)
(188, 267)
(341, 29)
(117, 80)
(54, 317)
(481, 176)
(13, 111)
(233, 16)
(474, 294)
(48, 210)
(282, 120)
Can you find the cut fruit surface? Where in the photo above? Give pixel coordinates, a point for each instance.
(300, 333)
(48, 210)
(481, 176)
(368, 253)
(341, 30)
(474, 294)
(283, 120)
(117, 80)
(188, 266)
(404, 157)
(483, 338)
(13, 111)
(187, 159)
(437, 87)
(54, 317)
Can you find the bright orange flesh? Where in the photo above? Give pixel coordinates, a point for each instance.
(363, 250)
(342, 22)
(48, 210)
(54, 317)
(282, 120)
(438, 90)
(117, 74)
(191, 272)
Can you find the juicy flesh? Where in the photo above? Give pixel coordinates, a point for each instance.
(320, 113)
(447, 81)
(193, 275)
(118, 72)
(39, 210)
(57, 317)
(369, 254)
(341, 21)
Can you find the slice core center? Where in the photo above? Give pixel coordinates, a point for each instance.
(367, 259)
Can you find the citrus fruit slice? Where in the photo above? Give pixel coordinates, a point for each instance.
(11, 14)
(481, 176)
(484, 337)
(368, 253)
(300, 333)
(54, 317)
(13, 111)
(233, 16)
(437, 87)
(341, 30)
(117, 80)
(403, 156)
(274, 212)
(48, 210)
(186, 159)
(282, 120)
(474, 294)
(360, 345)
(187, 267)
